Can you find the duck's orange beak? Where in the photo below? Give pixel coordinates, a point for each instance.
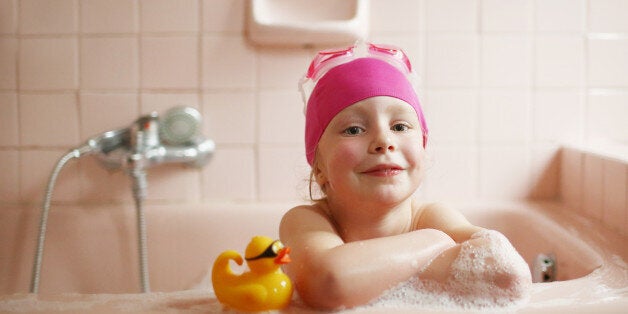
(283, 256)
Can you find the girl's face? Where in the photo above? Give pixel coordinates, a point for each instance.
(371, 151)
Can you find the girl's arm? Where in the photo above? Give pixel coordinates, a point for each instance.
(329, 273)
(452, 222)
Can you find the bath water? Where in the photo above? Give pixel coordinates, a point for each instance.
(477, 281)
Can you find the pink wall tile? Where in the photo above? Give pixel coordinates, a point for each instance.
(606, 116)
(8, 70)
(109, 63)
(441, 13)
(174, 182)
(504, 172)
(162, 102)
(48, 63)
(281, 118)
(169, 62)
(571, 176)
(506, 61)
(559, 61)
(282, 69)
(608, 16)
(102, 112)
(283, 173)
(9, 120)
(545, 172)
(169, 15)
(453, 61)
(10, 179)
(228, 63)
(231, 175)
(8, 21)
(403, 16)
(35, 169)
(449, 122)
(558, 115)
(506, 15)
(103, 185)
(615, 205)
(593, 180)
(504, 115)
(57, 127)
(452, 173)
(607, 62)
(230, 117)
(48, 16)
(223, 16)
(111, 16)
(560, 15)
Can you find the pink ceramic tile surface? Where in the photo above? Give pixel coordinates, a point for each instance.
(606, 116)
(558, 116)
(281, 119)
(48, 16)
(169, 15)
(452, 61)
(111, 16)
(230, 117)
(109, 63)
(571, 174)
(593, 186)
(504, 115)
(223, 16)
(35, 169)
(545, 172)
(9, 135)
(607, 62)
(228, 62)
(8, 70)
(231, 175)
(169, 62)
(615, 205)
(452, 15)
(102, 112)
(162, 102)
(103, 185)
(452, 115)
(504, 172)
(174, 182)
(452, 173)
(559, 61)
(10, 179)
(282, 69)
(48, 120)
(48, 63)
(608, 16)
(560, 15)
(402, 16)
(506, 61)
(8, 21)
(283, 173)
(506, 15)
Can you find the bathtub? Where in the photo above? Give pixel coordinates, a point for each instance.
(90, 261)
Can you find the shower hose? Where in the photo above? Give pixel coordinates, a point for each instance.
(139, 192)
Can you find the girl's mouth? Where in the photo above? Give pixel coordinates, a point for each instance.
(384, 170)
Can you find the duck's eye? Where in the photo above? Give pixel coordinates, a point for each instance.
(277, 246)
(353, 130)
(400, 127)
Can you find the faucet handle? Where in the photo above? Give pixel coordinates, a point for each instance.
(180, 126)
(145, 132)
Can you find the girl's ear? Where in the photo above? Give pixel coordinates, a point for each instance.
(319, 174)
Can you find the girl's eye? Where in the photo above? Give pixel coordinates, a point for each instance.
(400, 127)
(353, 130)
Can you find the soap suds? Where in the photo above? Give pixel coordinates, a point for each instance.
(481, 279)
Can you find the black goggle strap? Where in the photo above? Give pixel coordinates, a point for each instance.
(269, 252)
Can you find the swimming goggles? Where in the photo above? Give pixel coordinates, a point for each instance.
(271, 251)
(325, 60)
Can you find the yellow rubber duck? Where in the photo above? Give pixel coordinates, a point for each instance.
(265, 287)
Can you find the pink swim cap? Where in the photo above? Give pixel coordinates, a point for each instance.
(349, 83)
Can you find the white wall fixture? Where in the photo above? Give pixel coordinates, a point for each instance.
(307, 22)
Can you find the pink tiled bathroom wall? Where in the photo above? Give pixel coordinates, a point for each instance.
(504, 84)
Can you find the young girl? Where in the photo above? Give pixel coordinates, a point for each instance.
(365, 137)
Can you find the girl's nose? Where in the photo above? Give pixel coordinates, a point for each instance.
(382, 144)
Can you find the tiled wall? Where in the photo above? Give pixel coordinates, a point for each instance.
(503, 83)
